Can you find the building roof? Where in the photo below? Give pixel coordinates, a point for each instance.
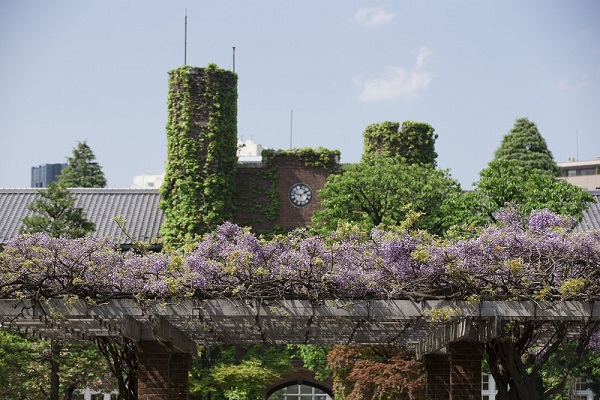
(137, 207)
(591, 216)
(578, 163)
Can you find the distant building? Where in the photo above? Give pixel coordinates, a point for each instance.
(248, 152)
(42, 175)
(585, 174)
(148, 181)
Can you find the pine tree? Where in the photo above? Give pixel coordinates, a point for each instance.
(56, 214)
(525, 145)
(82, 171)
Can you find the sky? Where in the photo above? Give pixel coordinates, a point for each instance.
(311, 74)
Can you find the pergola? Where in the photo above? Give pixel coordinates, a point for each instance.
(433, 328)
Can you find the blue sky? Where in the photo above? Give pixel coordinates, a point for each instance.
(97, 71)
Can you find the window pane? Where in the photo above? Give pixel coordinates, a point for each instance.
(295, 389)
(306, 389)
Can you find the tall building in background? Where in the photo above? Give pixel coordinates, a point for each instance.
(42, 175)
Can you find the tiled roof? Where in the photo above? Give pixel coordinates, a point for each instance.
(138, 207)
(591, 216)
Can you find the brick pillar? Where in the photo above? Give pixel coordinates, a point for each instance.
(162, 374)
(437, 370)
(180, 368)
(465, 370)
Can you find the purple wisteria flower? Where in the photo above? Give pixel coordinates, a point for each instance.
(539, 260)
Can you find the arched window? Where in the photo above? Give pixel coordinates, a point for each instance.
(299, 392)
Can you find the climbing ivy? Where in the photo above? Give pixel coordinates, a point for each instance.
(413, 142)
(264, 209)
(197, 194)
(308, 157)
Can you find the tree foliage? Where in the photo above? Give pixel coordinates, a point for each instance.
(506, 183)
(376, 373)
(525, 145)
(26, 371)
(197, 193)
(413, 143)
(56, 214)
(382, 191)
(587, 369)
(82, 171)
(121, 357)
(238, 372)
(314, 357)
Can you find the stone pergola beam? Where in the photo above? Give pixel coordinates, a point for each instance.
(442, 336)
(363, 309)
(214, 321)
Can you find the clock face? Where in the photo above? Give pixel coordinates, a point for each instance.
(300, 194)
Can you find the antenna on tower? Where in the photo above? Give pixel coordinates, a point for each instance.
(233, 58)
(291, 126)
(577, 144)
(185, 40)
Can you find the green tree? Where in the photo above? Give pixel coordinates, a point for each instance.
(525, 145)
(56, 214)
(414, 142)
(238, 372)
(507, 183)
(26, 374)
(382, 191)
(522, 174)
(314, 357)
(587, 367)
(82, 171)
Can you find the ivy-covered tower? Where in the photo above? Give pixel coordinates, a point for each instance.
(197, 193)
(413, 142)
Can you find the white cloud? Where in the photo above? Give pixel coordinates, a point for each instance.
(373, 16)
(424, 55)
(567, 84)
(397, 82)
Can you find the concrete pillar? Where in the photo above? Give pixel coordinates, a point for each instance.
(465, 370)
(437, 370)
(162, 374)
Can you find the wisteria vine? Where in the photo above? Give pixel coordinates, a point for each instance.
(540, 258)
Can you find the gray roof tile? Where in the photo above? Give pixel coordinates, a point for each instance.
(138, 207)
(591, 216)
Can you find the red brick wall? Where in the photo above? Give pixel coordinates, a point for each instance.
(290, 216)
(253, 184)
(300, 375)
(456, 375)
(437, 369)
(162, 374)
(251, 199)
(465, 370)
